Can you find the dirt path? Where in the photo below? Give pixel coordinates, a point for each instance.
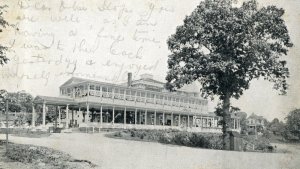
(111, 153)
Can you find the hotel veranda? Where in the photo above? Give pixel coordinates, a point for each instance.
(140, 104)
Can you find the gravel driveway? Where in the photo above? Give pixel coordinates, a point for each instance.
(109, 153)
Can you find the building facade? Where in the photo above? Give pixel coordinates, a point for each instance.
(141, 104)
(256, 123)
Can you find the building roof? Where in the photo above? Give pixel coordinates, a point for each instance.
(190, 88)
(74, 80)
(54, 100)
(254, 116)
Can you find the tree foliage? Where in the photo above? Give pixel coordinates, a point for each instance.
(224, 47)
(3, 24)
(3, 97)
(244, 43)
(17, 101)
(276, 127)
(292, 130)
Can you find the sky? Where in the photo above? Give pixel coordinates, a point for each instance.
(51, 41)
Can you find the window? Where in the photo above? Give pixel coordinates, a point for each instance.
(98, 88)
(109, 89)
(92, 87)
(143, 94)
(104, 89)
(116, 91)
(128, 92)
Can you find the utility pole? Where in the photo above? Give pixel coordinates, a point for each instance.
(6, 126)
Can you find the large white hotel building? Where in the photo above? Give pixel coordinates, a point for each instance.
(141, 104)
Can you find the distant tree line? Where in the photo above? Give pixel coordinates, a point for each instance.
(21, 103)
(17, 101)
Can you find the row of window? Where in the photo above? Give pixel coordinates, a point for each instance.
(130, 94)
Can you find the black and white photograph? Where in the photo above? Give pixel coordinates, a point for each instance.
(149, 84)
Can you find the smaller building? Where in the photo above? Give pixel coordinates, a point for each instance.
(256, 123)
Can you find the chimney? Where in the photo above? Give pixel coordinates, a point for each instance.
(129, 81)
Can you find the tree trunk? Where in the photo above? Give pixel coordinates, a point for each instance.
(226, 122)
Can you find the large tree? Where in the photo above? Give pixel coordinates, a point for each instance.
(225, 46)
(3, 24)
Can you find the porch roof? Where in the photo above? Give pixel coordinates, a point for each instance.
(54, 100)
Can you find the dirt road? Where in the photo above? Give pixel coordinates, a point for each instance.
(110, 153)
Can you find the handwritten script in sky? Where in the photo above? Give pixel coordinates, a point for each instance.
(52, 41)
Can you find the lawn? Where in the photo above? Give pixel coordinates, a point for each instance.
(37, 157)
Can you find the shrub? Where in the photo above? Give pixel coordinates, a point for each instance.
(215, 141)
(259, 143)
(204, 140)
(198, 140)
(132, 133)
(165, 138)
(30, 154)
(153, 135)
(181, 138)
(118, 134)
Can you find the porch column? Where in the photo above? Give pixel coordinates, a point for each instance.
(154, 117)
(44, 114)
(179, 120)
(87, 113)
(125, 116)
(33, 117)
(135, 116)
(67, 116)
(201, 122)
(113, 116)
(101, 117)
(145, 117)
(188, 121)
(163, 118)
(172, 115)
(59, 116)
(140, 116)
(233, 123)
